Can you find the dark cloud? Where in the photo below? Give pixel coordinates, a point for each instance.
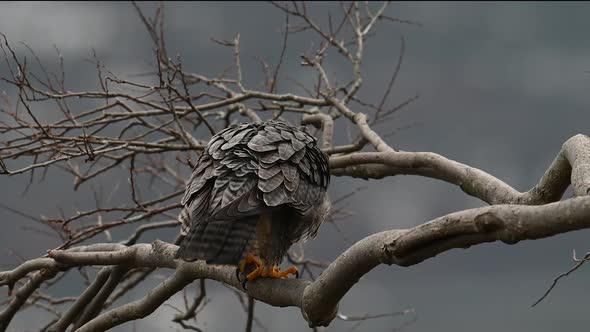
(501, 85)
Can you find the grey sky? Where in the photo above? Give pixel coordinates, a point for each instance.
(501, 85)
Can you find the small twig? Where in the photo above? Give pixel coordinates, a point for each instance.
(579, 263)
(275, 76)
(132, 183)
(392, 80)
(250, 318)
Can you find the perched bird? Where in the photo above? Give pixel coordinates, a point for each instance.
(256, 189)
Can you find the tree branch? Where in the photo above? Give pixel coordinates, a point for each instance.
(324, 121)
(571, 165)
(319, 299)
(21, 296)
(82, 301)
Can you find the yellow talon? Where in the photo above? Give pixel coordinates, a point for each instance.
(275, 272)
(271, 272)
(255, 274)
(263, 271)
(249, 260)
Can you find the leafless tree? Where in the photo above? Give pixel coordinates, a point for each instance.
(155, 132)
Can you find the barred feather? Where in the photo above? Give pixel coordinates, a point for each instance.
(247, 173)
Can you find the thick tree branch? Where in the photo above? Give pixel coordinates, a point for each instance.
(140, 308)
(96, 304)
(319, 299)
(571, 165)
(23, 293)
(324, 121)
(11, 277)
(82, 301)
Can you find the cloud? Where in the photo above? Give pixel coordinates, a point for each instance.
(75, 27)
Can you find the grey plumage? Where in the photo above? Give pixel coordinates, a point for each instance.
(248, 175)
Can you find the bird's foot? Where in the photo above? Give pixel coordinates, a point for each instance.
(262, 271)
(270, 272)
(249, 260)
(275, 272)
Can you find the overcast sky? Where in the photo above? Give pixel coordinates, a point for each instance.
(501, 86)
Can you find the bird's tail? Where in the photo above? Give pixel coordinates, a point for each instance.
(225, 236)
(219, 242)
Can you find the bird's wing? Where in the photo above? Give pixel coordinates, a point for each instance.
(197, 195)
(223, 199)
(293, 170)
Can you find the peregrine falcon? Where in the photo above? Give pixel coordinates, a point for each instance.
(256, 189)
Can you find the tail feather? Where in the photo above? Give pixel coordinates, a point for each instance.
(222, 242)
(225, 236)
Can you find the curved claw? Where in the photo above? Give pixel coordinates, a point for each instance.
(250, 259)
(238, 272)
(244, 282)
(297, 275)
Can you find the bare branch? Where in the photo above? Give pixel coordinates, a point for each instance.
(325, 122)
(250, 318)
(82, 301)
(93, 308)
(319, 299)
(140, 308)
(579, 263)
(571, 162)
(21, 296)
